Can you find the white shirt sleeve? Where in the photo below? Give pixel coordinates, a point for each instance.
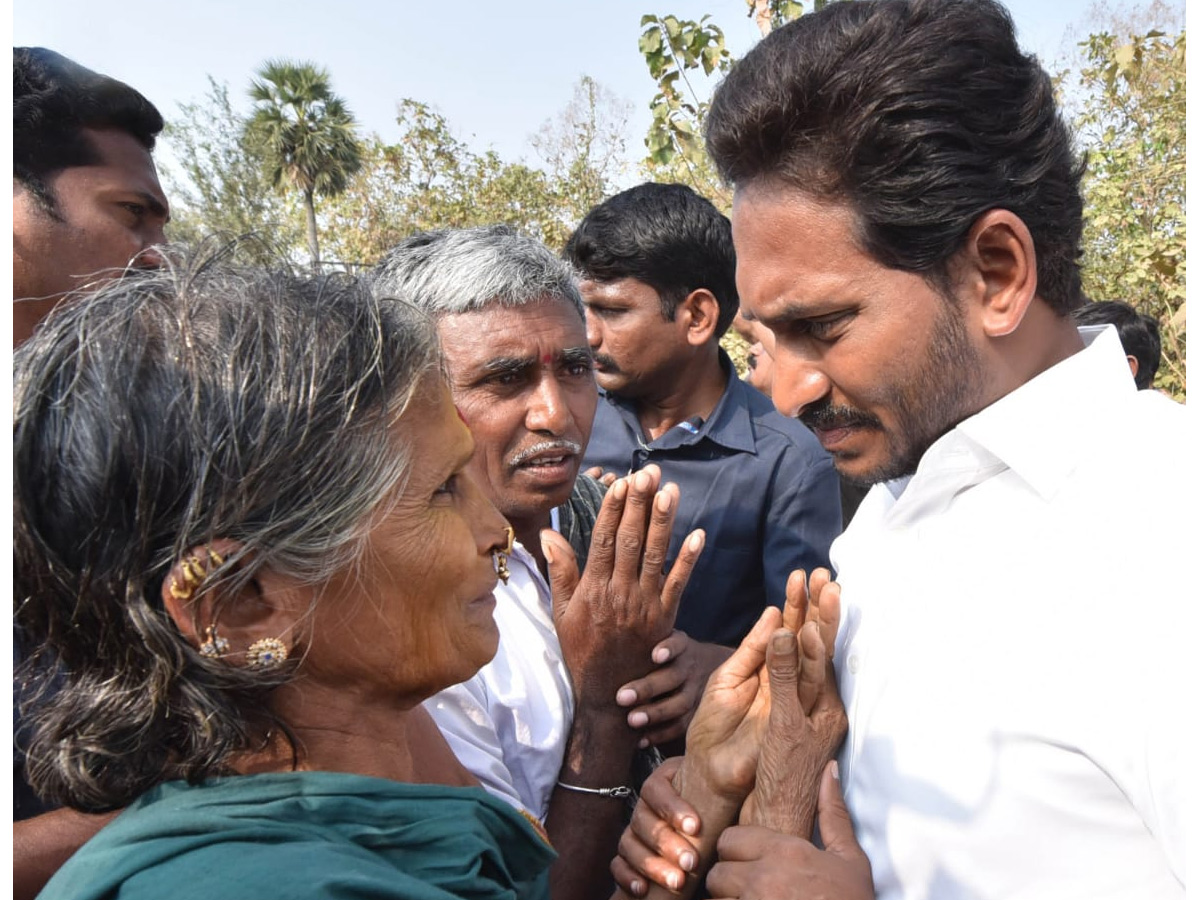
(461, 713)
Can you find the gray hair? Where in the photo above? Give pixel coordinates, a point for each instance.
(165, 411)
(461, 270)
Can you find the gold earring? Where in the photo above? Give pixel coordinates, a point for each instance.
(193, 574)
(501, 556)
(266, 654)
(213, 645)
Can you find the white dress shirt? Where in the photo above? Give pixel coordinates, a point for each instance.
(1012, 650)
(508, 725)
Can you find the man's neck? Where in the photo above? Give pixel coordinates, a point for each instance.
(1021, 358)
(695, 391)
(527, 532)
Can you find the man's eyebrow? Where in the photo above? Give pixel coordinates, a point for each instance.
(507, 365)
(573, 355)
(154, 204)
(802, 312)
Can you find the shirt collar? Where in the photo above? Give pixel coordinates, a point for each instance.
(1043, 428)
(729, 424)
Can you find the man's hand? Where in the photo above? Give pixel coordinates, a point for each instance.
(665, 700)
(660, 820)
(757, 862)
(807, 722)
(609, 620)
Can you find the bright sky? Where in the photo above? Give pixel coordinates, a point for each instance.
(496, 70)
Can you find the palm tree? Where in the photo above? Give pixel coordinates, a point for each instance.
(307, 135)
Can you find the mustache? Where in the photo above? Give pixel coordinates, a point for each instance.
(570, 448)
(827, 416)
(600, 361)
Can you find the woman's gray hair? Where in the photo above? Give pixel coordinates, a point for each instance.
(168, 410)
(461, 270)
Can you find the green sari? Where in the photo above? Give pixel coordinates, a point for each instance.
(310, 835)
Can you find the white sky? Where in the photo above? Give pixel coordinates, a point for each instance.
(496, 70)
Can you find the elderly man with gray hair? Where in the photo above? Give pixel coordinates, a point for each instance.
(540, 725)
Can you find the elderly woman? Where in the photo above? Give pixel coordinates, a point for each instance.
(243, 533)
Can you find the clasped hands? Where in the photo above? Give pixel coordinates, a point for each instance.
(758, 769)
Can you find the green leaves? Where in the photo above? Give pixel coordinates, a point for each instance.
(677, 50)
(306, 132)
(673, 48)
(1132, 123)
(217, 182)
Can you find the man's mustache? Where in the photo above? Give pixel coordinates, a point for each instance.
(827, 417)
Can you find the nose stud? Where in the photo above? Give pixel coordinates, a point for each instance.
(501, 556)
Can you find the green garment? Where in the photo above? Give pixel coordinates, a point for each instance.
(310, 835)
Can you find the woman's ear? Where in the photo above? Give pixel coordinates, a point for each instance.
(221, 614)
(1001, 264)
(699, 311)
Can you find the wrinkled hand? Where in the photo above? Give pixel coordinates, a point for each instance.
(665, 700)
(807, 721)
(609, 620)
(724, 737)
(757, 862)
(605, 478)
(662, 843)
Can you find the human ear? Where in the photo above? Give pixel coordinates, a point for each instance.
(212, 605)
(699, 312)
(1002, 265)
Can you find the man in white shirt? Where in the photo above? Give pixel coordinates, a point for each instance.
(907, 219)
(540, 725)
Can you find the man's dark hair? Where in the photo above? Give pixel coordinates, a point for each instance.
(1138, 332)
(665, 235)
(54, 99)
(921, 115)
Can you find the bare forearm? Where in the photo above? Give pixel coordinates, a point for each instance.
(584, 827)
(42, 844)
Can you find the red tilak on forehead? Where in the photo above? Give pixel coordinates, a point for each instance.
(547, 359)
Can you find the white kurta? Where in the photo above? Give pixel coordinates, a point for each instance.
(1013, 648)
(509, 724)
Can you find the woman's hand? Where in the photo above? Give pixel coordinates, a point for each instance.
(739, 738)
(807, 721)
(710, 784)
(757, 862)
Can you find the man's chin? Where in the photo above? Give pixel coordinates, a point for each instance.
(865, 471)
(532, 501)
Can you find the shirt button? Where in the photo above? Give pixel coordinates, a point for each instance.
(853, 664)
